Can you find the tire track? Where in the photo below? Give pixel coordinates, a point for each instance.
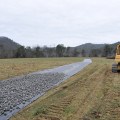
(57, 110)
(83, 107)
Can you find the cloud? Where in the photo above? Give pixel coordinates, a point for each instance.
(50, 22)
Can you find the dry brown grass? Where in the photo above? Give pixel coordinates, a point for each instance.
(93, 94)
(16, 67)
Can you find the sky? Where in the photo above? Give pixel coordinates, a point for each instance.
(68, 22)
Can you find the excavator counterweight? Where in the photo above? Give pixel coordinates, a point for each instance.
(116, 66)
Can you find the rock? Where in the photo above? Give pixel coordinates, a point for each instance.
(19, 90)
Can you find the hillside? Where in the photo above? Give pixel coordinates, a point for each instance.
(89, 46)
(8, 43)
(8, 47)
(96, 48)
(114, 45)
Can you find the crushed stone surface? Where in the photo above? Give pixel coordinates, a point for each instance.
(18, 90)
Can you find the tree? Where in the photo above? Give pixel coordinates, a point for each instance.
(107, 50)
(1, 51)
(21, 52)
(95, 53)
(68, 52)
(29, 52)
(75, 53)
(38, 52)
(51, 52)
(83, 53)
(60, 49)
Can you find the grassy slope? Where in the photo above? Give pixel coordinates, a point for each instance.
(92, 94)
(16, 67)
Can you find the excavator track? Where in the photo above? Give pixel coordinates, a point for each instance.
(114, 68)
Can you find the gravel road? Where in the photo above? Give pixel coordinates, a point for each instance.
(16, 93)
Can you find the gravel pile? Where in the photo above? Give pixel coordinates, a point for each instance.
(19, 90)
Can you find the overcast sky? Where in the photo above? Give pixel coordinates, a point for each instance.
(68, 22)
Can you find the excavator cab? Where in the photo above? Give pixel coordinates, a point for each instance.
(116, 66)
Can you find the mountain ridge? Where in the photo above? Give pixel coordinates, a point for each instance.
(8, 43)
(90, 46)
(9, 49)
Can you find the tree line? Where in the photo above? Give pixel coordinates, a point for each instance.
(36, 52)
(58, 51)
(106, 51)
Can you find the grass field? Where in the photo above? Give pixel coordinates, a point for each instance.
(92, 94)
(16, 67)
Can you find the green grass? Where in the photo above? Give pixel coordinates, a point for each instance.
(41, 109)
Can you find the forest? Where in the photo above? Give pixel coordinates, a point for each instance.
(11, 49)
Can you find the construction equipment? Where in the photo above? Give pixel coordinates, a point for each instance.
(116, 66)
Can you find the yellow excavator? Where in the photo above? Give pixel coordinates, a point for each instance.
(116, 66)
